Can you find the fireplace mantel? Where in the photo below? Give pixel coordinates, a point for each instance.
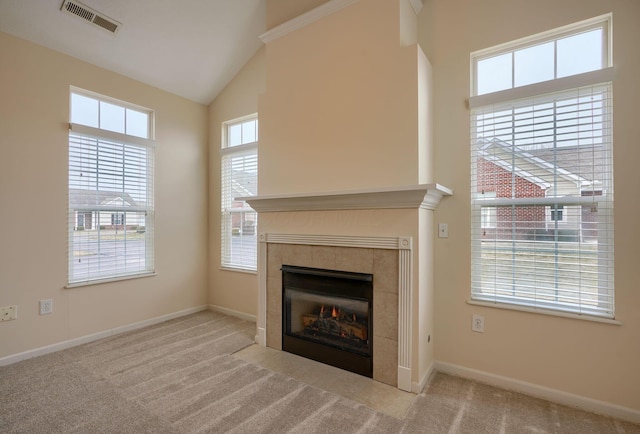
(426, 196)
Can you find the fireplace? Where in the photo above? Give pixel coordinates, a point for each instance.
(385, 259)
(327, 316)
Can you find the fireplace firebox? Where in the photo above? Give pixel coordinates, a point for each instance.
(327, 316)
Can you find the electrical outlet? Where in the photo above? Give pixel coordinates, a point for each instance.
(46, 307)
(7, 313)
(477, 323)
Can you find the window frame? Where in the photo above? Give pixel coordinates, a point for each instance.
(541, 90)
(228, 151)
(556, 214)
(82, 135)
(603, 21)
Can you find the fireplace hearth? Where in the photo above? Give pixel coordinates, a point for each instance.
(327, 317)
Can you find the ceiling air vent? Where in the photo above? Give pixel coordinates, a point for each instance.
(74, 7)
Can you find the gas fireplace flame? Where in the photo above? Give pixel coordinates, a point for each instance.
(332, 321)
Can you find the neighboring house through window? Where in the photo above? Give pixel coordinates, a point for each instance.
(239, 156)
(111, 154)
(542, 176)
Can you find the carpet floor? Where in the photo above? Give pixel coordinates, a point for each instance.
(180, 376)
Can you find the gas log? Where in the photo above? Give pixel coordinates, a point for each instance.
(335, 323)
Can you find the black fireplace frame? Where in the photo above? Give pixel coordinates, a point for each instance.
(355, 286)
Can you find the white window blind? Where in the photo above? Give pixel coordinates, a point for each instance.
(111, 205)
(542, 196)
(239, 159)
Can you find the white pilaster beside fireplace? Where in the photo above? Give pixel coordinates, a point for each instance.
(423, 196)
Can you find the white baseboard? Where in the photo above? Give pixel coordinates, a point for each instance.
(231, 312)
(14, 358)
(417, 387)
(554, 395)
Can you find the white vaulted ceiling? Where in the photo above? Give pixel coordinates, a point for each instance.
(192, 48)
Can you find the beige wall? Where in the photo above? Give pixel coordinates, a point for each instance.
(231, 289)
(598, 361)
(34, 114)
(340, 111)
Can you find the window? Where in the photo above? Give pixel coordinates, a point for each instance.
(542, 176)
(556, 212)
(111, 154)
(117, 219)
(239, 157)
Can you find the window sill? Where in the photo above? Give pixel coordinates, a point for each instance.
(109, 280)
(238, 270)
(545, 312)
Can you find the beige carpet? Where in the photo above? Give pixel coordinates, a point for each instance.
(181, 377)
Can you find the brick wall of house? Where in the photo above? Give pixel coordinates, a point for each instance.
(493, 178)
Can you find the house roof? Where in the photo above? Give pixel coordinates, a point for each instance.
(545, 167)
(79, 198)
(244, 183)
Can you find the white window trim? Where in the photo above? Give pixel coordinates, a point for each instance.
(118, 102)
(110, 280)
(558, 313)
(247, 147)
(103, 134)
(591, 78)
(605, 21)
(226, 150)
(98, 133)
(539, 90)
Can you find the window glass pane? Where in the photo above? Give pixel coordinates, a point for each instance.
(84, 110)
(534, 64)
(494, 74)
(239, 240)
(137, 123)
(239, 178)
(234, 135)
(249, 132)
(580, 53)
(525, 266)
(105, 180)
(544, 253)
(488, 213)
(111, 117)
(109, 244)
(556, 213)
(245, 175)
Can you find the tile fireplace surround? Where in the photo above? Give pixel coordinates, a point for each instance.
(385, 258)
(389, 259)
